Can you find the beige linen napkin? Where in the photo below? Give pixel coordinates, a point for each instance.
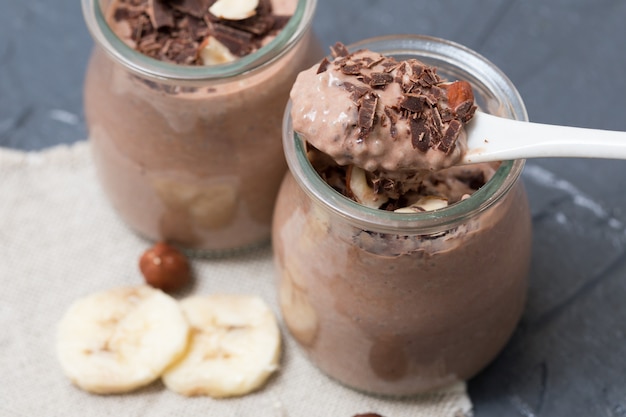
(60, 240)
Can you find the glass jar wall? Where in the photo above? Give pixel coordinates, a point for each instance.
(399, 304)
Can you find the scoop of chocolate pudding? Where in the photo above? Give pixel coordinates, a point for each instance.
(399, 271)
(187, 148)
(381, 131)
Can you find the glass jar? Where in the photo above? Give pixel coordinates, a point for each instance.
(399, 304)
(192, 154)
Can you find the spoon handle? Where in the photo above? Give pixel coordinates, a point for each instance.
(492, 138)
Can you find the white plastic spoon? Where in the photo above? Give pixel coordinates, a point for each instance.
(492, 138)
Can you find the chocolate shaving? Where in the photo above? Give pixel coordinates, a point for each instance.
(393, 119)
(323, 66)
(429, 77)
(160, 14)
(417, 69)
(450, 136)
(352, 69)
(465, 111)
(339, 50)
(446, 115)
(367, 112)
(380, 79)
(401, 70)
(415, 103)
(391, 65)
(374, 62)
(420, 134)
(197, 8)
(357, 91)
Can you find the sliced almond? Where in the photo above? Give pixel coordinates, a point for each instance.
(357, 185)
(213, 52)
(427, 203)
(234, 9)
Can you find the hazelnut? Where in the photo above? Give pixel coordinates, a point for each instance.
(165, 267)
(458, 93)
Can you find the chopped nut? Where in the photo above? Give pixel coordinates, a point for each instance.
(234, 9)
(213, 52)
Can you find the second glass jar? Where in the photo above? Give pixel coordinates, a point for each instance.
(192, 155)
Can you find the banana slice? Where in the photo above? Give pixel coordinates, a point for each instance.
(119, 340)
(234, 348)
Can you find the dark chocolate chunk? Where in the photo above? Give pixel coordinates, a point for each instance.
(257, 25)
(237, 41)
(323, 66)
(339, 50)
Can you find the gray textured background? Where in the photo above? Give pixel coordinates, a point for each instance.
(568, 60)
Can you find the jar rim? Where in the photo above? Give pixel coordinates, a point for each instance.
(146, 66)
(423, 48)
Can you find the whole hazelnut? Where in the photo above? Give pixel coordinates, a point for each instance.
(165, 267)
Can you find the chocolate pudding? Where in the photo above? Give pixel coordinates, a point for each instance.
(399, 271)
(184, 110)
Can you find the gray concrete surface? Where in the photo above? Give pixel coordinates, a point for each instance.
(567, 58)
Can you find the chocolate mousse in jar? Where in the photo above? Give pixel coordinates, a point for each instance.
(184, 102)
(399, 295)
